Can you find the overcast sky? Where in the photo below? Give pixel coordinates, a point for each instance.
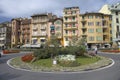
(25, 8)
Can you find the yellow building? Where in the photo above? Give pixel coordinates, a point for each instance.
(70, 24)
(96, 28)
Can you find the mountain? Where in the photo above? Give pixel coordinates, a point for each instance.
(4, 19)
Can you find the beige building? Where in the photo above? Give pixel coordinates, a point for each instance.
(114, 10)
(96, 28)
(70, 24)
(40, 27)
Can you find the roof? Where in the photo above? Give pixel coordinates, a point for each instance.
(26, 21)
(42, 14)
(94, 13)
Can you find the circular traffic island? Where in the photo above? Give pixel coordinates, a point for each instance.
(62, 63)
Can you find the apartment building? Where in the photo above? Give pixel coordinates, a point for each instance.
(114, 10)
(16, 32)
(21, 32)
(5, 35)
(96, 28)
(25, 37)
(40, 27)
(56, 28)
(70, 24)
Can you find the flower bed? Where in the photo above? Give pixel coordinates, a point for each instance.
(10, 51)
(111, 51)
(27, 57)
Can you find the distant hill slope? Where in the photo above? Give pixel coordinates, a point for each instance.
(4, 19)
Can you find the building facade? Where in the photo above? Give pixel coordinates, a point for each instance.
(25, 37)
(96, 28)
(114, 10)
(40, 27)
(56, 29)
(5, 35)
(16, 32)
(70, 24)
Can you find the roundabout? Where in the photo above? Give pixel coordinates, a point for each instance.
(16, 63)
(110, 72)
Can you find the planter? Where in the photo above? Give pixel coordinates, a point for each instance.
(10, 51)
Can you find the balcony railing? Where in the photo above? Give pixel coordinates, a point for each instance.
(70, 28)
(39, 34)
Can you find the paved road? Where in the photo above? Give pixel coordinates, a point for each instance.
(8, 73)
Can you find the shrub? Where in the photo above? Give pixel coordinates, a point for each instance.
(27, 58)
(42, 54)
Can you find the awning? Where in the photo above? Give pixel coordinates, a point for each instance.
(1, 44)
(34, 38)
(31, 45)
(2, 38)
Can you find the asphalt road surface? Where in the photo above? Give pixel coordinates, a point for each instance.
(8, 73)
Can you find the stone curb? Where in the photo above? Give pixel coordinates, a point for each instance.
(82, 69)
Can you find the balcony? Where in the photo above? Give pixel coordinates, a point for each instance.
(39, 35)
(70, 21)
(69, 15)
(105, 33)
(43, 28)
(83, 27)
(34, 28)
(70, 28)
(83, 21)
(104, 26)
(69, 35)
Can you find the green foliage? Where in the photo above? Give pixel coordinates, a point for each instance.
(42, 54)
(77, 48)
(68, 63)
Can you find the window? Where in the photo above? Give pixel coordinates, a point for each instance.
(34, 41)
(65, 12)
(73, 24)
(110, 25)
(90, 17)
(91, 38)
(116, 13)
(117, 20)
(73, 31)
(91, 30)
(58, 22)
(66, 18)
(99, 30)
(99, 38)
(42, 40)
(117, 28)
(73, 18)
(66, 31)
(66, 25)
(110, 31)
(66, 39)
(58, 28)
(98, 23)
(90, 23)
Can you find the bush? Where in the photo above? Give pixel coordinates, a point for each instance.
(42, 54)
(27, 58)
